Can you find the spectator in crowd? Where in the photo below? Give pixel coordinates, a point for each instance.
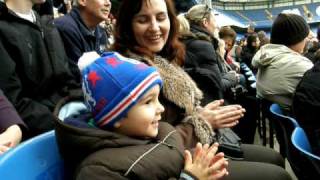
(238, 49)
(34, 73)
(153, 38)
(184, 26)
(228, 35)
(263, 38)
(280, 64)
(311, 47)
(45, 8)
(11, 125)
(306, 105)
(204, 51)
(63, 6)
(108, 26)
(208, 81)
(250, 30)
(80, 30)
(248, 51)
(135, 144)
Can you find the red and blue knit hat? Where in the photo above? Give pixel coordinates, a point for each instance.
(112, 84)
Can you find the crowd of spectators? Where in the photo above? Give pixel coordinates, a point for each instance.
(197, 75)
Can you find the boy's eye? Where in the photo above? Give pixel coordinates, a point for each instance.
(149, 101)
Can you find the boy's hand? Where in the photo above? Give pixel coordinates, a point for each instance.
(206, 164)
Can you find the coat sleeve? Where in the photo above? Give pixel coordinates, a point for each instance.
(37, 116)
(203, 68)
(206, 56)
(229, 80)
(8, 115)
(185, 175)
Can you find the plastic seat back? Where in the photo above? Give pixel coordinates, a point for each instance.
(300, 141)
(35, 159)
(309, 163)
(284, 126)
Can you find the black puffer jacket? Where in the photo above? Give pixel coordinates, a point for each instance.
(204, 65)
(34, 72)
(306, 105)
(99, 154)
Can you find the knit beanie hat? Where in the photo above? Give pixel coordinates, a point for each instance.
(289, 29)
(112, 84)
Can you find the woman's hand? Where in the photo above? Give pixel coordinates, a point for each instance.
(206, 164)
(10, 138)
(221, 116)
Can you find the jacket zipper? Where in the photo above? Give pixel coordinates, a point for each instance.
(150, 150)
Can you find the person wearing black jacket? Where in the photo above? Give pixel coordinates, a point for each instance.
(306, 105)
(204, 61)
(80, 30)
(34, 73)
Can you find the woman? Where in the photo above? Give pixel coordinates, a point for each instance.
(204, 51)
(253, 45)
(147, 30)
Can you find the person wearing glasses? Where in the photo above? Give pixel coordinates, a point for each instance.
(213, 75)
(203, 50)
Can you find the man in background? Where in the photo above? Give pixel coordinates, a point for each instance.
(80, 30)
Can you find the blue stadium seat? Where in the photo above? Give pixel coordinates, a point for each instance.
(300, 141)
(284, 126)
(35, 159)
(276, 110)
(309, 163)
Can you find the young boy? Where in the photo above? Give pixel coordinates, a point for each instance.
(121, 136)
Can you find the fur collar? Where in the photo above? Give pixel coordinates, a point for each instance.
(179, 88)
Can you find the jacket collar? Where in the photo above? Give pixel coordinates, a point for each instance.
(7, 14)
(196, 29)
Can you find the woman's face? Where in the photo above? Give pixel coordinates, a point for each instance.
(151, 25)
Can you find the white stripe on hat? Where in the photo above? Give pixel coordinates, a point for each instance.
(132, 96)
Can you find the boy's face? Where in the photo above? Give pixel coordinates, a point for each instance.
(143, 118)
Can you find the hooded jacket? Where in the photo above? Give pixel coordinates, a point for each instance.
(280, 69)
(99, 154)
